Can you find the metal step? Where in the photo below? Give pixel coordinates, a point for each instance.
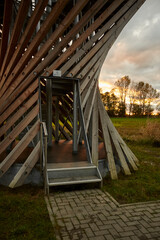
(73, 175)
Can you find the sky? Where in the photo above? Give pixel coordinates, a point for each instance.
(136, 52)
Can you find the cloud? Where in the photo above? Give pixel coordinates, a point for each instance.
(136, 51)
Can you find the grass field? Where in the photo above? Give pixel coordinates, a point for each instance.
(23, 214)
(143, 137)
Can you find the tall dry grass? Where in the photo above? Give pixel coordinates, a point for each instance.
(151, 131)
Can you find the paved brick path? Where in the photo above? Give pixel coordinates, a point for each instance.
(93, 214)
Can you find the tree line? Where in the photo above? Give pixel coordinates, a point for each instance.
(130, 98)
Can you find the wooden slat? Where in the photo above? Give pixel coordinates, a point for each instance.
(26, 168)
(46, 47)
(18, 114)
(89, 14)
(5, 31)
(67, 125)
(16, 103)
(19, 148)
(84, 36)
(22, 44)
(120, 144)
(50, 21)
(89, 107)
(91, 76)
(107, 141)
(21, 15)
(113, 136)
(19, 128)
(131, 157)
(106, 28)
(95, 132)
(28, 80)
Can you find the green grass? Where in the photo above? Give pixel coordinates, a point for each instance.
(144, 184)
(23, 214)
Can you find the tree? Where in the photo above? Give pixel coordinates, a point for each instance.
(146, 94)
(132, 96)
(122, 86)
(110, 102)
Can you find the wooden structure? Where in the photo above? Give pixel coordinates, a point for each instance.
(73, 36)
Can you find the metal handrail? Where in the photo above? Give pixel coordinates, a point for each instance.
(44, 136)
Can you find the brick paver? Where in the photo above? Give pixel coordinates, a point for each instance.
(93, 214)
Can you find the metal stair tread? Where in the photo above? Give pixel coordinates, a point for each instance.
(73, 180)
(69, 166)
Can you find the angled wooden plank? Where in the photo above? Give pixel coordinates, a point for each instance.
(5, 30)
(63, 132)
(22, 86)
(26, 168)
(50, 21)
(89, 107)
(19, 148)
(107, 141)
(46, 47)
(95, 131)
(21, 15)
(16, 103)
(113, 136)
(106, 28)
(91, 76)
(131, 157)
(64, 121)
(84, 36)
(118, 144)
(30, 28)
(19, 128)
(18, 114)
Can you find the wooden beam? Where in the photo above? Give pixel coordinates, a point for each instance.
(107, 141)
(22, 44)
(85, 94)
(50, 21)
(45, 48)
(26, 168)
(83, 37)
(19, 148)
(5, 30)
(105, 29)
(89, 107)
(61, 129)
(94, 149)
(18, 114)
(21, 15)
(19, 128)
(17, 102)
(29, 79)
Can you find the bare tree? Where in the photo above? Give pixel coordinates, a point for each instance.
(122, 86)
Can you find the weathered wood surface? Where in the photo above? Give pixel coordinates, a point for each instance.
(74, 38)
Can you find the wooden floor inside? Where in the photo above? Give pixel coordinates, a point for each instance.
(60, 154)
